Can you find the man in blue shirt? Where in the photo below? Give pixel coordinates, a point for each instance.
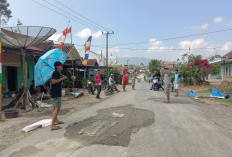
(176, 81)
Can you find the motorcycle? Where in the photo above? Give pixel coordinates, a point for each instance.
(155, 83)
(90, 87)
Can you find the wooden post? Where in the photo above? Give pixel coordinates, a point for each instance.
(25, 73)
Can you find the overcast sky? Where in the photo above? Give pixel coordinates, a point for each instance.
(135, 21)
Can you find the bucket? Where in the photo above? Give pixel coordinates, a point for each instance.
(11, 113)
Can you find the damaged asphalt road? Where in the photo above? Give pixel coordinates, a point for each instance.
(143, 126)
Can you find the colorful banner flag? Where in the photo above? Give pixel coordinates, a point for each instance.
(87, 49)
(0, 61)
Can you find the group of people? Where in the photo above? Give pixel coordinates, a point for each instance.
(56, 82)
(112, 82)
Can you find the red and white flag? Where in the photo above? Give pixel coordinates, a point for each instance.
(66, 34)
(116, 60)
(100, 58)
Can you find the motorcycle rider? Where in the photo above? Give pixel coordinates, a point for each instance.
(112, 83)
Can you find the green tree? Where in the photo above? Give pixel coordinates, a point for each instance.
(154, 65)
(5, 11)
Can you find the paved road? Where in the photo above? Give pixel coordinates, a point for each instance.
(146, 127)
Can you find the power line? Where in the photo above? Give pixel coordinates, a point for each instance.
(70, 14)
(80, 15)
(173, 38)
(62, 14)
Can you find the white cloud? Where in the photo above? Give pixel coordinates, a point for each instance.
(201, 27)
(218, 19)
(97, 34)
(156, 45)
(193, 44)
(227, 46)
(85, 33)
(114, 49)
(54, 37)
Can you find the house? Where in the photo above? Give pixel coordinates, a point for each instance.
(12, 66)
(225, 63)
(169, 64)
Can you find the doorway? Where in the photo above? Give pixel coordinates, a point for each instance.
(12, 78)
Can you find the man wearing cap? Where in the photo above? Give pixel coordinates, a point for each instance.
(56, 82)
(98, 83)
(167, 82)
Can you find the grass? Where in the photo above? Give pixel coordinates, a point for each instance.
(225, 102)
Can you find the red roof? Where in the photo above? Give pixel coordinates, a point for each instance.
(168, 62)
(228, 55)
(92, 62)
(66, 48)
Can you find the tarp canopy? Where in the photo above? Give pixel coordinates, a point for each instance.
(214, 94)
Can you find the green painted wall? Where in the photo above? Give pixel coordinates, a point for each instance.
(30, 63)
(30, 67)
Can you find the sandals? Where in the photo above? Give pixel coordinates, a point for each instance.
(60, 122)
(56, 128)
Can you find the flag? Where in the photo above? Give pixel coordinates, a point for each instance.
(111, 59)
(61, 46)
(100, 58)
(116, 60)
(65, 34)
(87, 49)
(88, 44)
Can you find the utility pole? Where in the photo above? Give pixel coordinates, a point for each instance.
(127, 61)
(107, 35)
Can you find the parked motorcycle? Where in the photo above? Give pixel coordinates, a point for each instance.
(90, 87)
(155, 83)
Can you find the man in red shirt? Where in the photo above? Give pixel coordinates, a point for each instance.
(98, 84)
(124, 79)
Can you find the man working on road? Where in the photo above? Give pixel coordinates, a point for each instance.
(176, 81)
(98, 84)
(57, 79)
(167, 83)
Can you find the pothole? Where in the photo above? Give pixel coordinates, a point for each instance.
(108, 130)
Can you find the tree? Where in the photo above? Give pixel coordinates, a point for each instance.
(211, 58)
(196, 70)
(154, 65)
(5, 12)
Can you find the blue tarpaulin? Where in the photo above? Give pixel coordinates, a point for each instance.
(214, 94)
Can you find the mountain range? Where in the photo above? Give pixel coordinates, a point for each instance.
(134, 60)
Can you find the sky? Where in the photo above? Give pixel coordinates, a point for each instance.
(143, 23)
